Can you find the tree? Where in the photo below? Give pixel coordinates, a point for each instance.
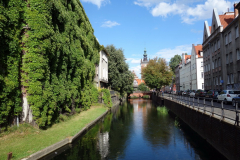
(119, 77)
(174, 61)
(143, 87)
(157, 73)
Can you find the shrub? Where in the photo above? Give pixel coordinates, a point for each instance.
(107, 97)
(134, 97)
(146, 97)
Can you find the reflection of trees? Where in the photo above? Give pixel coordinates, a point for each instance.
(85, 148)
(120, 130)
(158, 127)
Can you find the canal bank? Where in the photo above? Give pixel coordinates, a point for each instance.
(221, 134)
(66, 142)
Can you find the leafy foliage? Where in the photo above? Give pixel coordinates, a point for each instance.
(143, 87)
(157, 73)
(59, 53)
(107, 97)
(146, 97)
(119, 77)
(11, 15)
(174, 61)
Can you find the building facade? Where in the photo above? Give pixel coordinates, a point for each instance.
(197, 72)
(221, 51)
(101, 70)
(185, 72)
(177, 78)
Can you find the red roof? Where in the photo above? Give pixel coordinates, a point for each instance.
(187, 57)
(226, 20)
(139, 81)
(198, 49)
(210, 29)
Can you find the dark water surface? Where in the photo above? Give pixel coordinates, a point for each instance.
(139, 130)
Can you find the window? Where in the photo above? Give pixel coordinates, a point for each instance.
(238, 76)
(216, 80)
(218, 42)
(202, 85)
(227, 59)
(213, 81)
(237, 32)
(201, 64)
(212, 64)
(220, 79)
(219, 62)
(230, 58)
(228, 76)
(215, 46)
(226, 39)
(202, 75)
(238, 54)
(229, 37)
(232, 79)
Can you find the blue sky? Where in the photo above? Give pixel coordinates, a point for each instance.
(164, 27)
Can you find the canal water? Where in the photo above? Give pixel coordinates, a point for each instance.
(139, 130)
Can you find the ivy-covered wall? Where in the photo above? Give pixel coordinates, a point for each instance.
(53, 59)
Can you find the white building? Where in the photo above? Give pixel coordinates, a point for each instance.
(101, 76)
(197, 72)
(185, 72)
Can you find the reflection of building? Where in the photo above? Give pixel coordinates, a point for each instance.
(101, 70)
(103, 144)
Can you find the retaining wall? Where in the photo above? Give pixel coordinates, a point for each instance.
(222, 135)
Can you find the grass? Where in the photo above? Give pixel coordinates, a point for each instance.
(26, 140)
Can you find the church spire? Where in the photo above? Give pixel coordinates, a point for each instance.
(145, 55)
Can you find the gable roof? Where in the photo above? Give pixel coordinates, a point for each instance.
(187, 57)
(226, 19)
(198, 49)
(207, 31)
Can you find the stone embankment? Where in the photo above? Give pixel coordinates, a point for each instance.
(222, 134)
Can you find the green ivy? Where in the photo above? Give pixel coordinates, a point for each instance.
(51, 51)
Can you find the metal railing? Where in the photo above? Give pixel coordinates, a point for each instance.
(222, 111)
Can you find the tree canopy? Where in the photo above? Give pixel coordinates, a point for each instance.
(143, 87)
(157, 73)
(174, 61)
(119, 77)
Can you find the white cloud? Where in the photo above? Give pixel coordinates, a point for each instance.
(188, 13)
(133, 61)
(137, 70)
(109, 24)
(99, 3)
(168, 53)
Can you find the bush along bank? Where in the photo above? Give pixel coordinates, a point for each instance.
(146, 97)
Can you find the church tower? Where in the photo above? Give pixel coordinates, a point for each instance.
(144, 62)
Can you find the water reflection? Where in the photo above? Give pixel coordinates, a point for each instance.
(139, 130)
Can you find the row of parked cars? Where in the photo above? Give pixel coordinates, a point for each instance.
(227, 96)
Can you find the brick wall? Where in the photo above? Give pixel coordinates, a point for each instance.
(223, 136)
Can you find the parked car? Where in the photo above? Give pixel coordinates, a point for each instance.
(184, 93)
(200, 93)
(236, 99)
(188, 92)
(227, 95)
(192, 93)
(180, 93)
(212, 95)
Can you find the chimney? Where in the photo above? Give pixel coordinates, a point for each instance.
(235, 10)
(183, 58)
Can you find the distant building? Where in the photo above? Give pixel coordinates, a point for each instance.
(101, 70)
(136, 81)
(197, 72)
(144, 62)
(185, 72)
(221, 57)
(177, 78)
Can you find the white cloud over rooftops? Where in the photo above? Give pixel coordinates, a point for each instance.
(109, 24)
(133, 60)
(188, 13)
(99, 3)
(168, 53)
